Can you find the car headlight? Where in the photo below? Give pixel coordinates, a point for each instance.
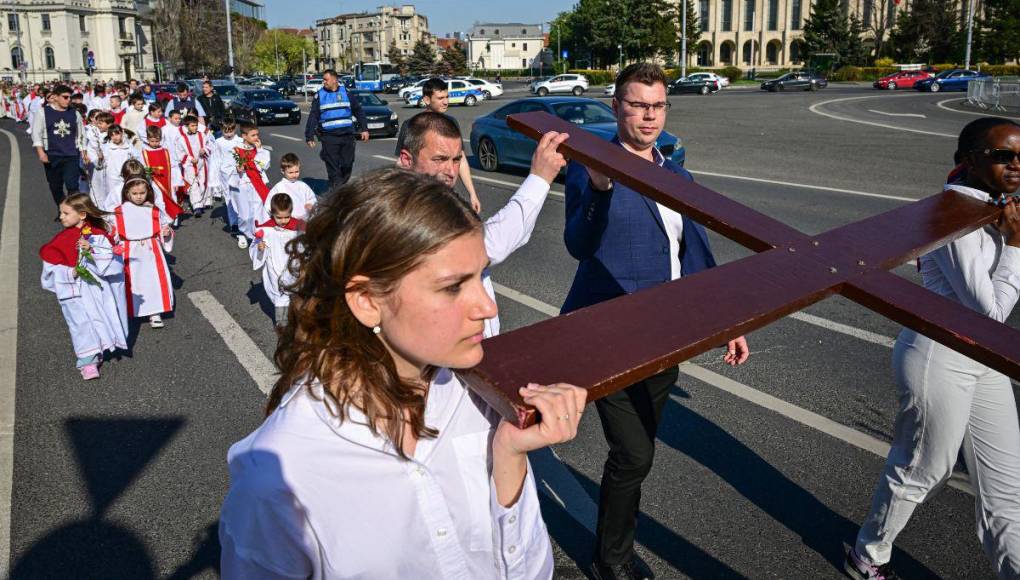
(294, 108)
(393, 117)
(262, 110)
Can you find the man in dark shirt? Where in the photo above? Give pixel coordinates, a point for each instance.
(332, 119)
(213, 106)
(58, 136)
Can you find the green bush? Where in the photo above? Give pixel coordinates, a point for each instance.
(596, 77)
(883, 62)
(860, 73)
(731, 72)
(999, 70)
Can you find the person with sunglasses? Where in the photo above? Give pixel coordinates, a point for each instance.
(946, 400)
(625, 242)
(58, 135)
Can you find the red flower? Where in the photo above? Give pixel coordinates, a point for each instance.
(118, 250)
(259, 234)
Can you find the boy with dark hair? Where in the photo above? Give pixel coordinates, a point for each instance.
(58, 135)
(291, 185)
(193, 151)
(270, 253)
(249, 177)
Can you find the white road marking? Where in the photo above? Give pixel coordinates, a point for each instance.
(918, 115)
(788, 410)
(287, 137)
(865, 335)
(9, 242)
(942, 105)
(258, 365)
(815, 108)
(552, 192)
(803, 186)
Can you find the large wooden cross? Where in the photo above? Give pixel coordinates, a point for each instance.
(611, 345)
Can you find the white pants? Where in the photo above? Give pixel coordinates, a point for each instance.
(947, 401)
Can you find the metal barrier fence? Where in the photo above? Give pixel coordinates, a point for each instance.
(995, 94)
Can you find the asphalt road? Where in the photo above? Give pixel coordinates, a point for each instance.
(761, 472)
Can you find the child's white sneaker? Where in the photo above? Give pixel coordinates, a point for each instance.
(156, 321)
(242, 242)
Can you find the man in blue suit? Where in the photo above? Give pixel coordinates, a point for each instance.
(625, 243)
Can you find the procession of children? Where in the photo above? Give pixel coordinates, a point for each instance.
(142, 170)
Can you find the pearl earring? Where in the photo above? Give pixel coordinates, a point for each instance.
(377, 329)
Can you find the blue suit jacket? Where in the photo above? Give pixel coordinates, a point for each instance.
(620, 242)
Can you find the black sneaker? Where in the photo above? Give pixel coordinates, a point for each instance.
(857, 568)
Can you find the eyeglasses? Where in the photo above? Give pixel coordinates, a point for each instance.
(1000, 156)
(648, 107)
(64, 96)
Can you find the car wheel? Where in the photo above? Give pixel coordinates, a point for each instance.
(934, 88)
(470, 100)
(542, 91)
(892, 86)
(487, 95)
(578, 91)
(487, 156)
(813, 86)
(782, 87)
(704, 90)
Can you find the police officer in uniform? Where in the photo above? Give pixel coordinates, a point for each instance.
(332, 119)
(59, 139)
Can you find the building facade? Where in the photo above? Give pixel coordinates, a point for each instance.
(76, 40)
(249, 8)
(770, 33)
(510, 45)
(367, 36)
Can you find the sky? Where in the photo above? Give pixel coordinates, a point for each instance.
(445, 16)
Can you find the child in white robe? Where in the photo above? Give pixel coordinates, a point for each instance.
(171, 134)
(116, 150)
(301, 195)
(157, 160)
(250, 162)
(95, 135)
(81, 266)
(194, 149)
(226, 170)
(270, 252)
(146, 234)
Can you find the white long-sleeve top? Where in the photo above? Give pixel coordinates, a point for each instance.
(509, 229)
(977, 270)
(315, 497)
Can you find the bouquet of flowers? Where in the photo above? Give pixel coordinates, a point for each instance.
(85, 255)
(149, 171)
(241, 163)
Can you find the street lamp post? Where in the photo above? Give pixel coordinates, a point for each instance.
(276, 43)
(683, 40)
(230, 41)
(970, 32)
(620, 47)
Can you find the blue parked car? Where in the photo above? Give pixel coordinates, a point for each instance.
(495, 144)
(949, 80)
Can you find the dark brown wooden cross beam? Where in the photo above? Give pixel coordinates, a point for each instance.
(678, 320)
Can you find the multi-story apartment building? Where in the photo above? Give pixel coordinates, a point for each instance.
(509, 45)
(69, 39)
(367, 36)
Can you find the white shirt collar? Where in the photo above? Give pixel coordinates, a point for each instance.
(968, 191)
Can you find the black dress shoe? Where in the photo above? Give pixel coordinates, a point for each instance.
(635, 569)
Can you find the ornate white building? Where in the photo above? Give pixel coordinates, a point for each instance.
(504, 45)
(43, 40)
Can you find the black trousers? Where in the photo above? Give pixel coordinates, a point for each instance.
(338, 155)
(630, 419)
(62, 172)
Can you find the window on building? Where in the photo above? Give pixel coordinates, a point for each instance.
(727, 15)
(795, 15)
(868, 10)
(481, 32)
(703, 15)
(46, 22)
(51, 59)
(81, 23)
(890, 18)
(524, 63)
(524, 32)
(122, 25)
(513, 45)
(773, 14)
(496, 32)
(12, 23)
(748, 15)
(795, 52)
(17, 56)
(85, 57)
(525, 47)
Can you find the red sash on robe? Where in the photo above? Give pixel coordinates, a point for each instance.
(157, 252)
(294, 225)
(62, 250)
(201, 145)
(118, 116)
(159, 161)
(149, 122)
(252, 171)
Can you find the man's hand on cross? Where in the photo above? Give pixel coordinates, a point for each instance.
(598, 181)
(547, 161)
(1009, 223)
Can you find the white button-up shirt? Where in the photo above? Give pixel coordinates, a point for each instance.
(509, 229)
(673, 223)
(977, 270)
(312, 496)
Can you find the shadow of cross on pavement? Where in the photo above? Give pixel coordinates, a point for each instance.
(670, 323)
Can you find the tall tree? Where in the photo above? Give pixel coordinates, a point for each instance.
(929, 30)
(396, 58)
(999, 31)
(453, 61)
(880, 22)
(281, 51)
(166, 31)
(827, 29)
(423, 59)
(693, 28)
(856, 53)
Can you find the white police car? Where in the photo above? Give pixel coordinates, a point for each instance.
(461, 93)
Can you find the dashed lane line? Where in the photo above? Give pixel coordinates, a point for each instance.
(252, 359)
(287, 137)
(9, 248)
(816, 109)
(752, 395)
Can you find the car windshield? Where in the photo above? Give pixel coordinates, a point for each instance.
(583, 113)
(787, 77)
(265, 96)
(225, 90)
(368, 99)
(944, 74)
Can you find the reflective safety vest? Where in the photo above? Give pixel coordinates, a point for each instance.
(334, 109)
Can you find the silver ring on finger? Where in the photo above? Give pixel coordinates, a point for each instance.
(564, 417)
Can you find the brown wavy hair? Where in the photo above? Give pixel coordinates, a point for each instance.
(82, 203)
(380, 226)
